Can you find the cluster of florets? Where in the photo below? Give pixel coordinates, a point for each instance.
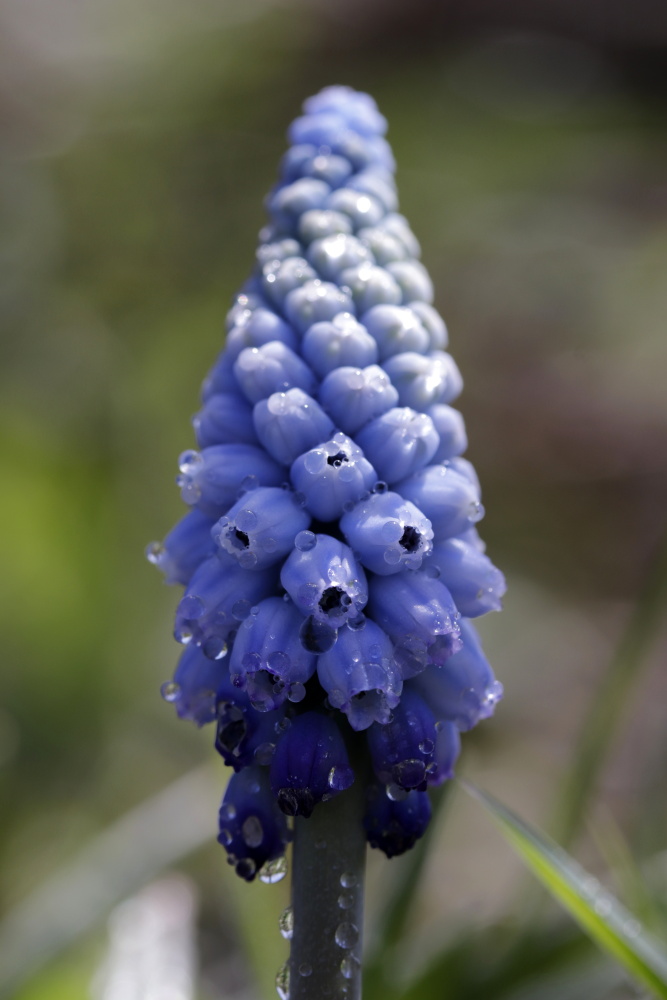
(330, 558)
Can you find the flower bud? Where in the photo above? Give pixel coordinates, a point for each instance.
(395, 825)
(315, 302)
(355, 396)
(273, 367)
(211, 479)
(423, 380)
(186, 546)
(416, 611)
(199, 684)
(289, 423)
(449, 424)
(469, 575)
(449, 501)
(398, 443)
(310, 764)
(340, 341)
(225, 418)
(395, 329)
(332, 477)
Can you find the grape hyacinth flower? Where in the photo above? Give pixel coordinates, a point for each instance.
(330, 557)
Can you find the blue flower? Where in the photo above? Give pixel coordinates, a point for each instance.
(330, 559)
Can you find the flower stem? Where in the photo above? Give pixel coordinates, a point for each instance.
(328, 863)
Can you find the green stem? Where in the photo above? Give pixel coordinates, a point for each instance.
(612, 697)
(328, 864)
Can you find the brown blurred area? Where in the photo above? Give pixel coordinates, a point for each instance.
(136, 143)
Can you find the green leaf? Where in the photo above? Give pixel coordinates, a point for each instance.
(600, 915)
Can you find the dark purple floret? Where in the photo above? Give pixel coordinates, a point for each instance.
(310, 764)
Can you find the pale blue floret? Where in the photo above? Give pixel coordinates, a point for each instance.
(370, 286)
(341, 341)
(332, 255)
(360, 675)
(463, 691)
(288, 203)
(380, 184)
(355, 396)
(261, 371)
(451, 429)
(328, 167)
(260, 327)
(433, 323)
(289, 423)
(395, 329)
(388, 533)
(268, 661)
(447, 750)
(260, 528)
(225, 418)
(358, 110)
(423, 380)
(321, 222)
(473, 581)
(398, 443)
(466, 469)
(326, 581)
(243, 305)
(316, 301)
(280, 277)
(211, 479)
(208, 611)
(418, 613)
(332, 477)
(399, 227)
(280, 250)
(363, 209)
(413, 280)
(220, 378)
(448, 499)
(186, 546)
(383, 244)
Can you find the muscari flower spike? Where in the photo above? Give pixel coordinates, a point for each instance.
(330, 558)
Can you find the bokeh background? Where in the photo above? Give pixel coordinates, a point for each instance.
(137, 141)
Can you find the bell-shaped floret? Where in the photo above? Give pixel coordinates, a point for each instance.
(321, 222)
(280, 277)
(211, 479)
(466, 469)
(186, 546)
(268, 659)
(325, 581)
(398, 443)
(261, 371)
(383, 245)
(403, 749)
(424, 379)
(363, 209)
(451, 429)
(225, 418)
(395, 825)
(216, 599)
(260, 528)
(413, 280)
(245, 736)
(261, 327)
(388, 533)
(448, 499)
(419, 614)
(243, 305)
(310, 764)
(464, 690)
(331, 255)
(332, 476)
(328, 167)
(252, 828)
(399, 227)
(476, 585)
(395, 329)
(289, 423)
(199, 684)
(360, 675)
(378, 182)
(447, 750)
(354, 396)
(371, 285)
(433, 323)
(289, 202)
(279, 250)
(315, 302)
(358, 110)
(340, 341)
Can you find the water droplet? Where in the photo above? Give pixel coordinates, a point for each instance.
(396, 793)
(241, 610)
(154, 551)
(246, 868)
(264, 753)
(305, 969)
(426, 747)
(228, 810)
(349, 966)
(170, 691)
(346, 900)
(296, 692)
(252, 831)
(348, 880)
(286, 922)
(282, 982)
(305, 541)
(214, 648)
(274, 871)
(226, 837)
(346, 935)
(282, 725)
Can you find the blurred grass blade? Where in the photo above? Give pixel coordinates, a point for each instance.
(601, 916)
(612, 697)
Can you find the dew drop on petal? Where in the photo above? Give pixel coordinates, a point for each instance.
(252, 831)
(170, 691)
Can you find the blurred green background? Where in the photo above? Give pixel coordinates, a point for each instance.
(138, 140)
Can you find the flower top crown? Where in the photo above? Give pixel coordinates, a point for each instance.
(330, 556)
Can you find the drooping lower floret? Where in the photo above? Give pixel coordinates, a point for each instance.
(330, 558)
